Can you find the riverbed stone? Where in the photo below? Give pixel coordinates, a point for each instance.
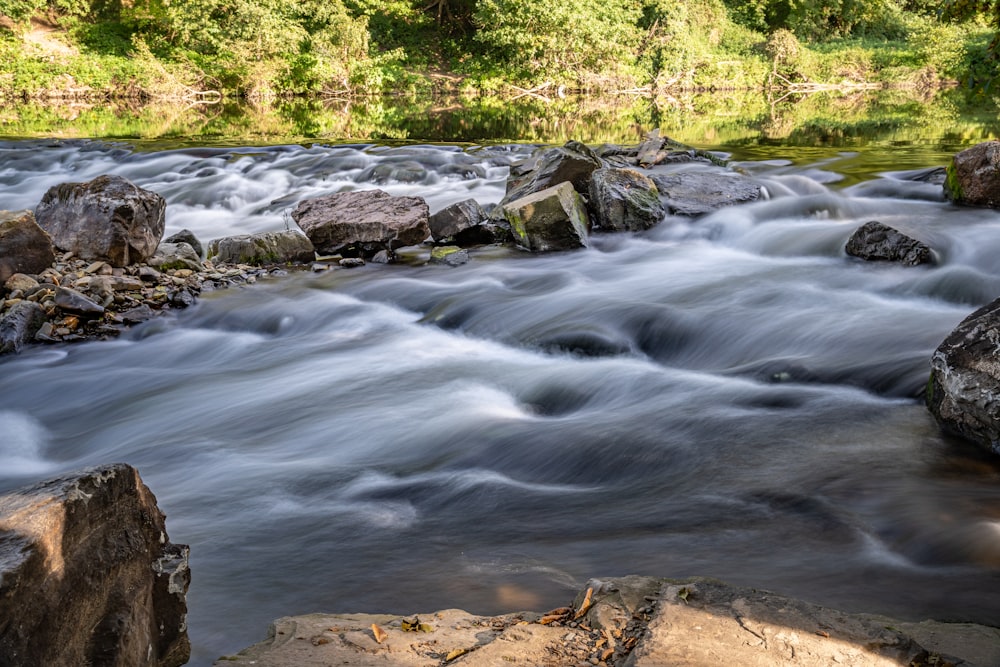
(187, 236)
(449, 255)
(109, 218)
(552, 219)
(973, 176)
(875, 242)
(695, 193)
(624, 200)
(71, 301)
(21, 282)
(573, 162)
(19, 326)
(963, 392)
(362, 223)
(24, 246)
(260, 249)
(176, 255)
(88, 575)
(452, 220)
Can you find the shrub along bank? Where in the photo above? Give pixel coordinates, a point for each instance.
(197, 49)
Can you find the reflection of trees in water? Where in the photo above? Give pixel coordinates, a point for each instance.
(701, 119)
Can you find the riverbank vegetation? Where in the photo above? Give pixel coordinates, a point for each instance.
(200, 50)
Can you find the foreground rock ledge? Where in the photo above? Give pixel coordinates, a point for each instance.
(88, 577)
(627, 622)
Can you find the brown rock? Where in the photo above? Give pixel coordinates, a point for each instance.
(24, 246)
(108, 218)
(552, 219)
(973, 177)
(87, 576)
(363, 222)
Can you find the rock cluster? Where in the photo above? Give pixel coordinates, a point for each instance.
(88, 575)
(627, 622)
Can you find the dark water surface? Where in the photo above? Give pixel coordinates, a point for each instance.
(730, 397)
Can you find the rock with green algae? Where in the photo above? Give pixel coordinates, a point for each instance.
(973, 177)
(449, 255)
(624, 200)
(260, 249)
(552, 219)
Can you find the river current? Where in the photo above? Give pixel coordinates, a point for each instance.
(730, 396)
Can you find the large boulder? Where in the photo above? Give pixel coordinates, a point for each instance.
(455, 219)
(88, 576)
(260, 249)
(694, 193)
(874, 241)
(24, 246)
(573, 162)
(108, 218)
(624, 200)
(963, 393)
(552, 219)
(973, 177)
(363, 222)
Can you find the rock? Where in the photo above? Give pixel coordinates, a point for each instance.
(573, 162)
(138, 314)
(19, 326)
(628, 622)
(19, 281)
(108, 218)
(963, 393)
(454, 219)
(88, 576)
(176, 255)
(24, 246)
(874, 241)
(362, 223)
(187, 236)
(351, 262)
(973, 177)
(624, 200)
(700, 622)
(71, 301)
(485, 233)
(694, 193)
(449, 255)
(553, 219)
(260, 249)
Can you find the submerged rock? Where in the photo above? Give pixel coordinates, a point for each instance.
(19, 326)
(108, 218)
(624, 200)
(553, 219)
(973, 177)
(694, 193)
(963, 393)
(260, 249)
(449, 255)
(363, 223)
(88, 575)
(24, 246)
(875, 241)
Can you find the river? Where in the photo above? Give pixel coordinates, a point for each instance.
(730, 396)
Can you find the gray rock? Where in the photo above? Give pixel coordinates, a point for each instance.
(573, 162)
(17, 328)
(71, 301)
(694, 193)
(973, 177)
(454, 219)
(624, 200)
(19, 281)
(362, 223)
(187, 236)
(24, 246)
(449, 255)
(88, 573)
(552, 219)
(260, 249)
(351, 262)
(963, 393)
(874, 241)
(108, 218)
(176, 255)
(138, 314)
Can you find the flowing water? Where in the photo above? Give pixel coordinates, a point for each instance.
(730, 396)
